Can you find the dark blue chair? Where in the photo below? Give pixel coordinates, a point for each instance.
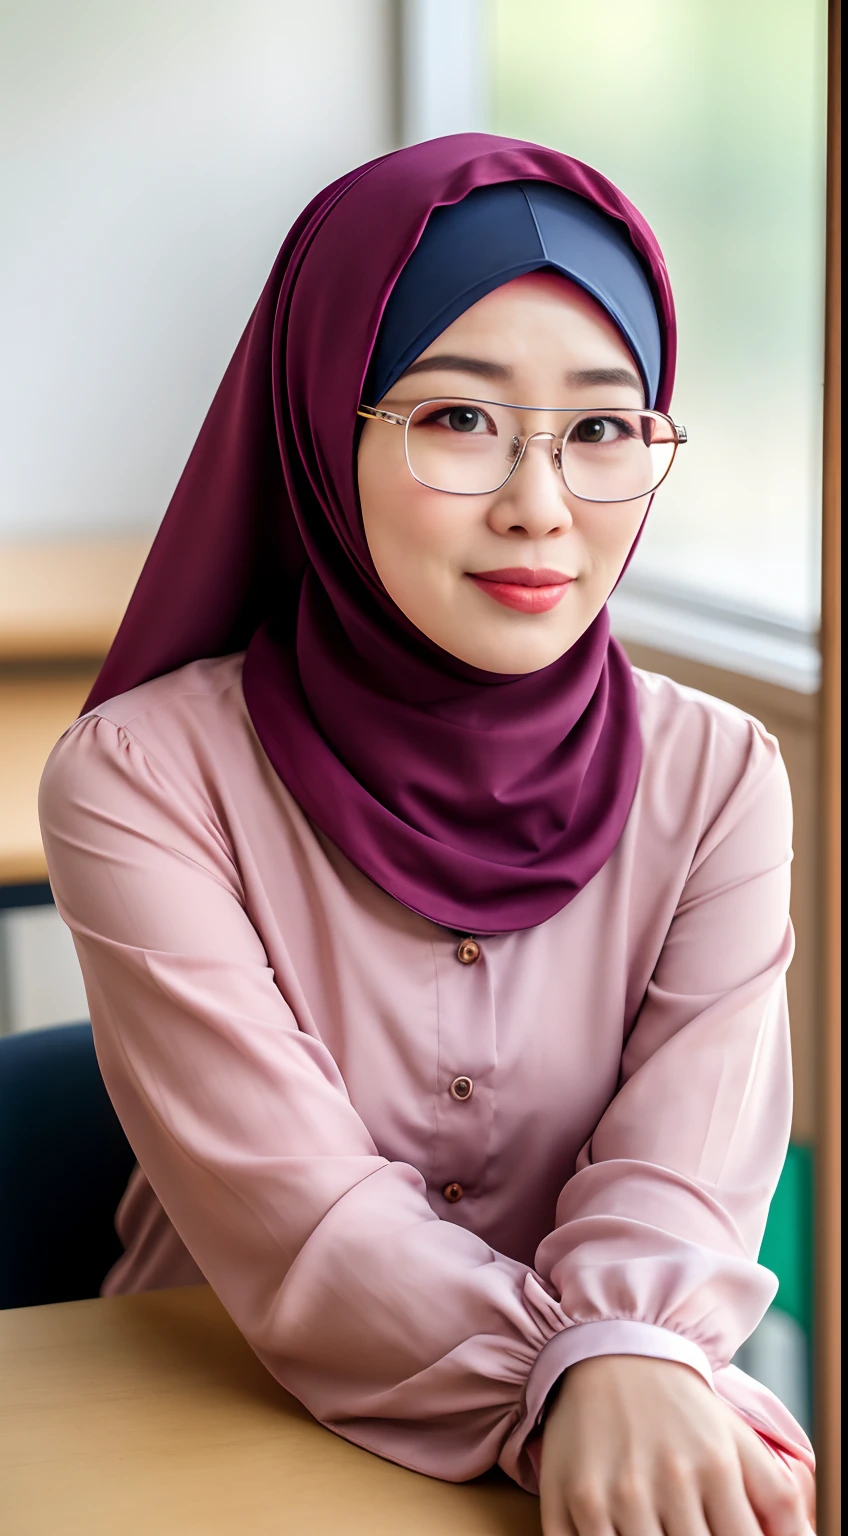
(64, 1165)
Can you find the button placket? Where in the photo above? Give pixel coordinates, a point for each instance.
(467, 1045)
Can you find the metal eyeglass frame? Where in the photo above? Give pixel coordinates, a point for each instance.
(375, 413)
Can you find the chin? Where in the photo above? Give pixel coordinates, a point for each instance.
(500, 646)
(524, 653)
(517, 661)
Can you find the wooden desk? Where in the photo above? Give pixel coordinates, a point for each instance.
(150, 1416)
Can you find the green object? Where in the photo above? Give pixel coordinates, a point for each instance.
(788, 1242)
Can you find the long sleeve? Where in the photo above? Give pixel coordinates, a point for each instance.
(401, 1331)
(406, 1333)
(660, 1226)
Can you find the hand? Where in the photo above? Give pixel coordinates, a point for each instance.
(641, 1447)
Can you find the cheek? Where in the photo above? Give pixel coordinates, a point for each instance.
(411, 531)
(612, 535)
(381, 472)
(382, 479)
(435, 530)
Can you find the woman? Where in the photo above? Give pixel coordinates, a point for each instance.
(435, 958)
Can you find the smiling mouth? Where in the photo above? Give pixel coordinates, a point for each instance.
(524, 590)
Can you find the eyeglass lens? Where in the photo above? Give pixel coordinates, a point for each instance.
(470, 447)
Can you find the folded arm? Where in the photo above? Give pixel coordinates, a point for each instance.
(405, 1333)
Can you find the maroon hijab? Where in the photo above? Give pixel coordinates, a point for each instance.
(483, 801)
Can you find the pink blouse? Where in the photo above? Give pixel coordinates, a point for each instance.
(424, 1172)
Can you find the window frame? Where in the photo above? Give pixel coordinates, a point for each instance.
(439, 95)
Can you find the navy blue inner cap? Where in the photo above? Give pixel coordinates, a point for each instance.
(500, 232)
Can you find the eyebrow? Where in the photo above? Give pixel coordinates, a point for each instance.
(451, 362)
(624, 376)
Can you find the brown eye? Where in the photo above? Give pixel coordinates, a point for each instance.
(591, 430)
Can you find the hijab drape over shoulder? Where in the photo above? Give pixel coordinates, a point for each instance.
(483, 801)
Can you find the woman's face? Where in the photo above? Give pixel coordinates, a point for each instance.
(537, 341)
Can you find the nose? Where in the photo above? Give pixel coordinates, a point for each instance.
(534, 500)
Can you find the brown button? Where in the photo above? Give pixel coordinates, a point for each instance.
(461, 1088)
(468, 952)
(453, 1192)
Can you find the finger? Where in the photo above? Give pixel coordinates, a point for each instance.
(561, 1526)
(555, 1518)
(682, 1507)
(772, 1491)
(807, 1485)
(726, 1503)
(644, 1523)
(556, 1521)
(633, 1506)
(589, 1511)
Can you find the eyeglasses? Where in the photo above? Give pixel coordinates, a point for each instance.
(472, 447)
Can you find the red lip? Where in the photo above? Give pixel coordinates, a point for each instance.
(522, 576)
(522, 589)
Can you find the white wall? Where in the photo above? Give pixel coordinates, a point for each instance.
(154, 155)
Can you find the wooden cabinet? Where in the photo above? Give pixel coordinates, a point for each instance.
(60, 605)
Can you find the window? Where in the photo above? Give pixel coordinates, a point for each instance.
(710, 116)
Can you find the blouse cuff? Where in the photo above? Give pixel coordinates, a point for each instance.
(612, 1336)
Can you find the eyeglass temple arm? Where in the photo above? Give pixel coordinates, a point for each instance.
(372, 414)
